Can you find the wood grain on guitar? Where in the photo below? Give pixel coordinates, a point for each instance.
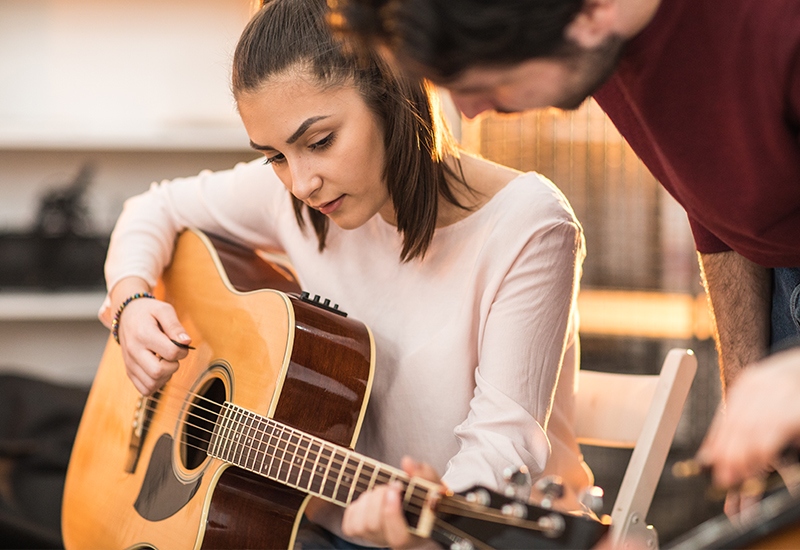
(260, 416)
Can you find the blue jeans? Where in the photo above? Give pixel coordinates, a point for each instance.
(785, 322)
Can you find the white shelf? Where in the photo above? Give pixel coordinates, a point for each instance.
(38, 138)
(50, 306)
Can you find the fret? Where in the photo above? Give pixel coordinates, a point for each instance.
(217, 438)
(226, 435)
(246, 439)
(318, 471)
(241, 437)
(272, 448)
(383, 476)
(342, 464)
(330, 469)
(213, 443)
(309, 465)
(289, 451)
(334, 473)
(356, 477)
(414, 498)
(345, 482)
(261, 453)
(252, 450)
(301, 462)
(268, 448)
(408, 491)
(376, 470)
(368, 473)
(277, 457)
(236, 429)
(266, 437)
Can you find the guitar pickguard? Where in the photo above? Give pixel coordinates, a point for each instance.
(163, 494)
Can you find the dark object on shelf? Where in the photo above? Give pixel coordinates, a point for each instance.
(60, 251)
(51, 263)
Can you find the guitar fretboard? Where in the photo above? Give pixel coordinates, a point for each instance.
(312, 465)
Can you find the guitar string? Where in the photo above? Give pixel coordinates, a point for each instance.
(381, 479)
(287, 431)
(284, 429)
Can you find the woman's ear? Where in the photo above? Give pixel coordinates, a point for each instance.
(596, 21)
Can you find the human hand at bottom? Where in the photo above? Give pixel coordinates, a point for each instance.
(377, 515)
(760, 419)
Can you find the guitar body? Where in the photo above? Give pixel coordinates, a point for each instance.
(139, 475)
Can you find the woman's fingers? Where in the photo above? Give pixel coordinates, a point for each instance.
(394, 525)
(151, 355)
(377, 516)
(419, 469)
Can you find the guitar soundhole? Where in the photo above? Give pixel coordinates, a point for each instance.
(201, 417)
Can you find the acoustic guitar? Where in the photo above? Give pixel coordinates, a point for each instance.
(261, 415)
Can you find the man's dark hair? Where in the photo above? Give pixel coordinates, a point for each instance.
(446, 37)
(294, 35)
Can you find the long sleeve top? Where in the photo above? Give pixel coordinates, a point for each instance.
(475, 344)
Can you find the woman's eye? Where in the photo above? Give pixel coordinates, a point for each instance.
(323, 143)
(275, 159)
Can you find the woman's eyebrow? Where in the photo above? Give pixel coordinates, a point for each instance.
(294, 137)
(303, 127)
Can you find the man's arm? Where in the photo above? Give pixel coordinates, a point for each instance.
(739, 294)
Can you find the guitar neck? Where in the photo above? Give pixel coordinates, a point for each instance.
(307, 463)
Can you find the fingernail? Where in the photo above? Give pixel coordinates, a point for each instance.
(184, 337)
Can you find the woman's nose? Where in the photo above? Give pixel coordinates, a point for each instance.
(304, 182)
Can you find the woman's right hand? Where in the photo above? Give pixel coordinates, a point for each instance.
(147, 328)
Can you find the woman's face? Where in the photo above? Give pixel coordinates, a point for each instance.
(325, 145)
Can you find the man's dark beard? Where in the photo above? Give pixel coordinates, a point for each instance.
(598, 65)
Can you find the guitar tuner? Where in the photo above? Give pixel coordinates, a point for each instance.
(481, 497)
(325, 304)
(518, 482)
(552, 525)
(551, 488)
(515, 510)
(592, 498)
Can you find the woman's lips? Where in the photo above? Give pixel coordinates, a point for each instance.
(329, 207)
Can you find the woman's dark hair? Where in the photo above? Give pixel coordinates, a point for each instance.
(445, 37)
(287, 34)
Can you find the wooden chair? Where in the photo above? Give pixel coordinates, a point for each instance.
(640, 412)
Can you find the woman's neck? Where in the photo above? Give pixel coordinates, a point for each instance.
(482, 180)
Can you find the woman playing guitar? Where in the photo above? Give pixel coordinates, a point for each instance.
(465, 271)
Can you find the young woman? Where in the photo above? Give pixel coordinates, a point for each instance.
(465, 271)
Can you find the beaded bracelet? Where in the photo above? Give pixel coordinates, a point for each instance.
(123, 305)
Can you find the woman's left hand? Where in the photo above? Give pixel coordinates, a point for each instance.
(377, 515)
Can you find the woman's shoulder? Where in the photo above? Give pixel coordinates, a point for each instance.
(529, 194)
(533, 201)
